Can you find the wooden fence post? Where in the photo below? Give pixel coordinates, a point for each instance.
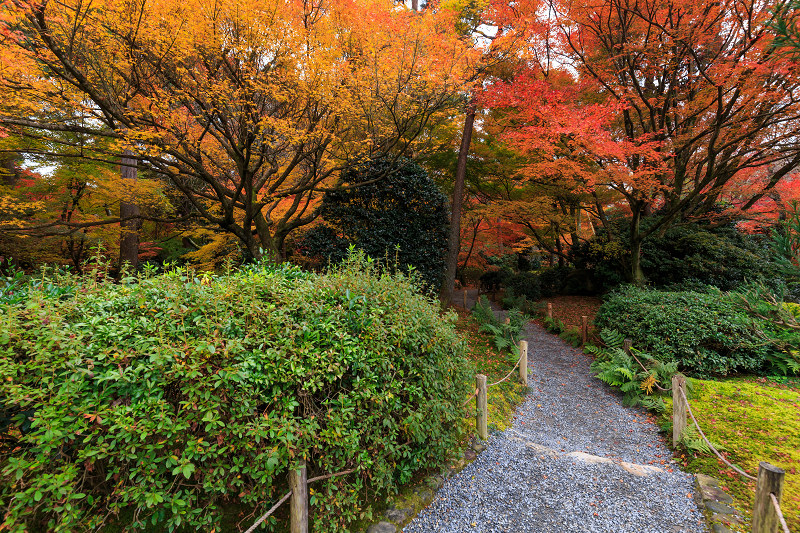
(299, 504)
(678, 408)
(465, 298)
(550, 310)
(481, 419)
(584, 329)
(626, 346)
(523, 362)
(770, 480)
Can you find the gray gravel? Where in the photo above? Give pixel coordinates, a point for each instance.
(532, 478)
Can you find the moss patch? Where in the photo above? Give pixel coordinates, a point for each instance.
(752, 419)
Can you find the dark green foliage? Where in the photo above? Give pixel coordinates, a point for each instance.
(470, 275)
(177, 395)
(721, 257)
(553, 281)
(638, 375)
(525, 284)
(402, 218)
(697, 253)
(776, 320)
(703, 332)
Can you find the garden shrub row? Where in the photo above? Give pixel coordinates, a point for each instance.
(706, 333)
(170, 398)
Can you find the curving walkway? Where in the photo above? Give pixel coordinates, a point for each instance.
(574, 460)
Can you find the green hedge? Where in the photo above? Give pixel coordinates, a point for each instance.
(172, 398)
(704, 333)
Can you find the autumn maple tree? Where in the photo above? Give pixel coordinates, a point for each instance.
(669, 104)
(250, 109)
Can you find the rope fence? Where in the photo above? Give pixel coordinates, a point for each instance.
(767, 515)
(481, 389)
(777, 506)
(299, 484)
(299, 494)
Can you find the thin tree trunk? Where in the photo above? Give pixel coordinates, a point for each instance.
(636, 274)
(129, 240)
(454, 241)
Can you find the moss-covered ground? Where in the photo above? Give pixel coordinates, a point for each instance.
(751, 419)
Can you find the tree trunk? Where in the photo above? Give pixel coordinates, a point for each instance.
(454, 241)
(636, 274)
(129, 239)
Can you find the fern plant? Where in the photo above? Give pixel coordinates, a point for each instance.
(636, 374)
(505, 334)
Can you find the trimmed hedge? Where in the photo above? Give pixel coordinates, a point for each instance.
(171, 397)
(704, 333)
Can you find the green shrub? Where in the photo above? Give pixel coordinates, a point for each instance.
(470, 275)
(704, 333)
(552, 281)
(167, 398)
(524, 284)
(394, 211)
(695, 253)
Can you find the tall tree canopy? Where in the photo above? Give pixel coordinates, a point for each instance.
(676, 105)
(250, 109)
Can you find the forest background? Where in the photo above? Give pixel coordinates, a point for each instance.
(562, 133)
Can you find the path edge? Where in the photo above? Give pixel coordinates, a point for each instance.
(715, 504)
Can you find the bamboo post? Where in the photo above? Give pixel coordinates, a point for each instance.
(770, 480)
(626, 345)
(481, 417)
(523, 362)
(299, 504)
(678, 408)
(550, 310)
(584, 329)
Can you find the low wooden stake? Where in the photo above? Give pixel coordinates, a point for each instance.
(678, 408)
(523, 362)
(626, 346)
(299, 503)
(550, 310)
(584, 329)
(481, 418)
(770, 480)
(465, 298)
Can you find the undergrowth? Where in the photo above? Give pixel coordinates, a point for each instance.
(493, 350)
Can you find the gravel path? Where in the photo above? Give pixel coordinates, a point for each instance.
(574, 460)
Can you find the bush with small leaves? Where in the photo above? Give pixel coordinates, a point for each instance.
(170, 397)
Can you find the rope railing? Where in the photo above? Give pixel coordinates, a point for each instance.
(507, 375)
(268, 513)
(711, 446)
(299, 489)
(481, 389)
(777, 506)
(470, 397)
(767, 515)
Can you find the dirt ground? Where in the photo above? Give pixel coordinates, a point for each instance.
(570, 309)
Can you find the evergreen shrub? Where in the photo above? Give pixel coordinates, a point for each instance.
(703, 332)
(172, 397)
